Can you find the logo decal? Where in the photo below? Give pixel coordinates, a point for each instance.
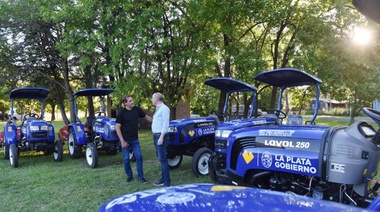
(248, 156)
(266, 159)
(191, 133)
(173, 198)
(200, 132)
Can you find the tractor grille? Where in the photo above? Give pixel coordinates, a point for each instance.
(172, 137)
(240, 145)
(39, 134)
(221, 144)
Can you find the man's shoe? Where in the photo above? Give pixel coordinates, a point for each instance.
(158, 183)
(129, 179)
(143, 180)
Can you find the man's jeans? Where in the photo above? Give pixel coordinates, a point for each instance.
(161, 154)
(135, 145)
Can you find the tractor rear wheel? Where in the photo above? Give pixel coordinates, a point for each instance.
(75, 150)
(6, 151)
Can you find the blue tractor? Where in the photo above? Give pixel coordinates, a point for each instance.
(33, 133)
(195, 136)
(97, 133)
(328, 163)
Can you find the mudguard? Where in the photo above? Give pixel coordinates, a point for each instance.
(10, 134)
(209, 197)
(51, 135)
(80, 133)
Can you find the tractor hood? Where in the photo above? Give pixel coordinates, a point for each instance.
(287, 77)
(229, 84)
(243, 123)
(304, 132)
(209, 197)
(369, 8)
(94, 92)
(29, 93)
(194, 120)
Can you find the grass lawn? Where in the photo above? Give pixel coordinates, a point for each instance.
(40, 184)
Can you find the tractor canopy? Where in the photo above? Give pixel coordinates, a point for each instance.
(29, 93)
(287, 77)
(229, 84)
(94, 92)
(370, 8)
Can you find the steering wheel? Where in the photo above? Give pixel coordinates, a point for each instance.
(35, 115)
(101, 113)
(374, 114)
(280, 114)
(218, 113)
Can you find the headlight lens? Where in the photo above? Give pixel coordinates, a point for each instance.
(172, 129)
(106, 131)
(113, 127)
(34, 128)
(222, 133)
(44, 127)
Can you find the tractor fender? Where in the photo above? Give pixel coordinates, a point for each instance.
(51, 136)
(10, 134)
(80, 133)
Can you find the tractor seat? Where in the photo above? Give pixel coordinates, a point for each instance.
(294, 120)
(89, 121)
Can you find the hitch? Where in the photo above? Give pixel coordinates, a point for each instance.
(373, 191)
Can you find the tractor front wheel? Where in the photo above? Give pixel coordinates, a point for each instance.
(13, 155)
(92, 155)
(58, 151)
(199, 163)
(175, 161)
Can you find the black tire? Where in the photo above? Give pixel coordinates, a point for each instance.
(6, 151)
(13, 155)
(211, 171)
(58, 151)
(113, 148)
(175, 162)
(132, 157)
(199, 163)
(75, 150)
(91, 155)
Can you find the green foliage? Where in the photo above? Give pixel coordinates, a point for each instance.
(140, 47)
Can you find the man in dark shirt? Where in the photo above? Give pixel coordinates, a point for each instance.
(127, 131)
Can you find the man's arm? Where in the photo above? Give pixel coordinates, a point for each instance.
(120, 135)
(148, 118)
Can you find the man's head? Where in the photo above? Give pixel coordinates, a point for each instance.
(128, 101)
(157, 98)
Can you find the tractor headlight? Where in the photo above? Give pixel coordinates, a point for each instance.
(222, 133)
(106, 131)
(34, 128)
(44, 127)
(113, 127)
(172, 129)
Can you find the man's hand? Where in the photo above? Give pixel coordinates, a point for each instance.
(124, 145)
(160, 141)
